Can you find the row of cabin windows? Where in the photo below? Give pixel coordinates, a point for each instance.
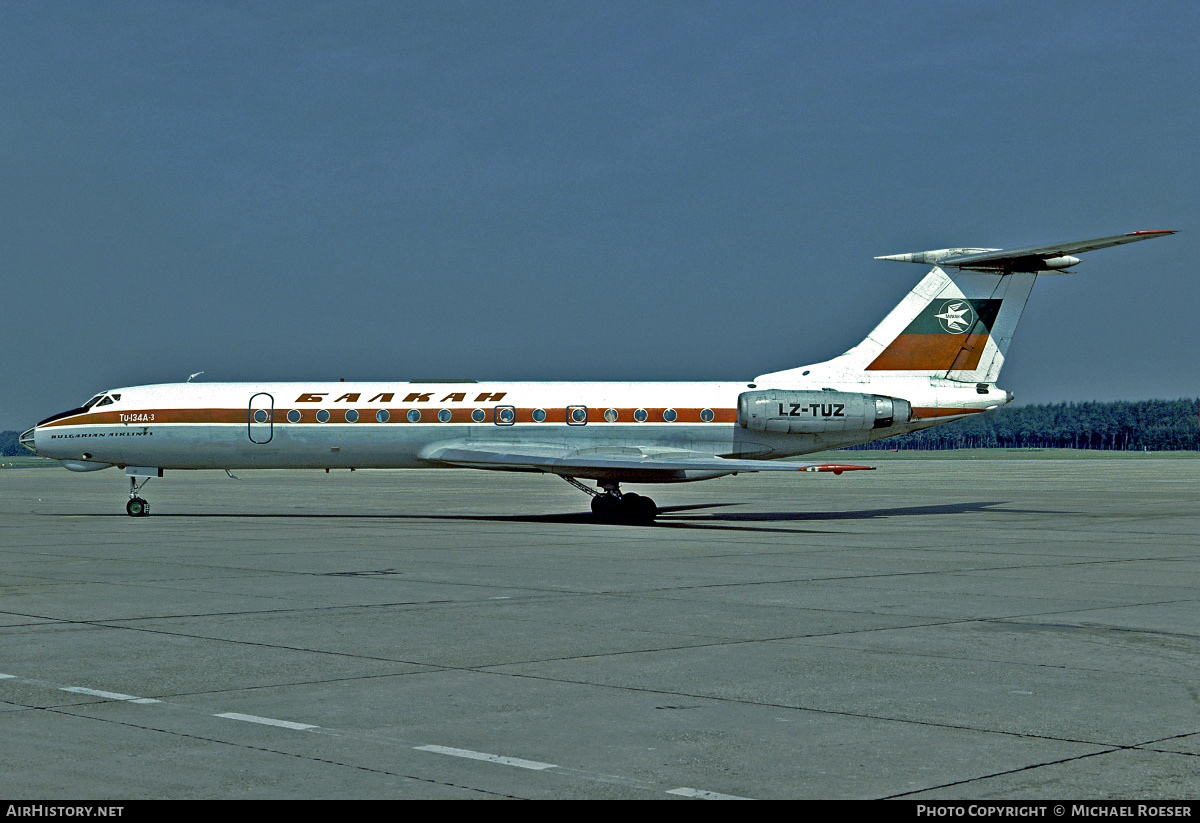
(504, 414)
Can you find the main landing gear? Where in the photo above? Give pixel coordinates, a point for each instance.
(611, 506)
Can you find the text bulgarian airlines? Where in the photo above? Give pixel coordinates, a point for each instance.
(126, 433)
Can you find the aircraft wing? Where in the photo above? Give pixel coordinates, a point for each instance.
(600, 464)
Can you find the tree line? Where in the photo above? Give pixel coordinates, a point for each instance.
(1154, 425)
(9, 447)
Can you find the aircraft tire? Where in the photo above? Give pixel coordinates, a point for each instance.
(643, 510)
(631, 508)
(136, 507)
(604, 506)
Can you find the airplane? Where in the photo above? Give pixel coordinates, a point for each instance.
(933, 359)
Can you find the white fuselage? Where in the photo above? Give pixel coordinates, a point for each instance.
(395, 425)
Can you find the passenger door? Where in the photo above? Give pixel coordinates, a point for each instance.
(260, 420)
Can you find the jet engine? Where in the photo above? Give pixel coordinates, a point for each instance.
(791, 412)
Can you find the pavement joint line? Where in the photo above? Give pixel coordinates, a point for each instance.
(490, 758)
(267, 721)
(704, 794)
(492, 668)
(1166, 751)
(717, 699)
(837, 578)
(975, 659)
(1030, 767)
(798, 708)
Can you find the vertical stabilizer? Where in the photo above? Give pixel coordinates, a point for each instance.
(957, 327)
(958, 322)
(951, 326)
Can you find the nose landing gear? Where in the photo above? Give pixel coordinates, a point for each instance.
(137, 506)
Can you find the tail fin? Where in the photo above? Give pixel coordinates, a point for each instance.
(955, 326)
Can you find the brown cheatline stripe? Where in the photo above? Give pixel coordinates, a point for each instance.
(925, 412)
(931, 351)
(595, 415)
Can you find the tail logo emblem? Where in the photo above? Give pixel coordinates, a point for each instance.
(956, 316)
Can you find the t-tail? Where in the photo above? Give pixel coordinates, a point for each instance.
(959, 320)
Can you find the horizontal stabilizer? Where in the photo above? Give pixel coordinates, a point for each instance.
(1033, 259)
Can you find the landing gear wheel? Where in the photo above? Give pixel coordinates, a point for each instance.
(613, 507)
(605, 506)
(137, 507)
(644, 510)
(628, 508)
(638, 509)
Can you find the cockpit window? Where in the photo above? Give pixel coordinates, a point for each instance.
(107, 401)
(92, 402)
(115, 396)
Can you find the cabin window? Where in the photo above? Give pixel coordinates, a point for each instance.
(670, 415)
(479, 415)
(505, 415)
(640, 415)
(382, 416)
(610, 415)
(539, 415)
(261, 416)
(351, 416)
(707, 415)
(577, 415)
(444, 415)
(294, 416)
(414, 415)
(322, 415)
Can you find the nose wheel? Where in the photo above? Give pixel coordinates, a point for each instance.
(137, 506)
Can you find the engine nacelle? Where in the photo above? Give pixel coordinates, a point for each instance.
(790, 412)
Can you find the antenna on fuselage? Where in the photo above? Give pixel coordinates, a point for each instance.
(197, 374)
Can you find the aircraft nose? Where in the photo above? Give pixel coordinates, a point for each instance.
(27, 440)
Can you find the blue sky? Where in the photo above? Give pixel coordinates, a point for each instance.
(644, 191)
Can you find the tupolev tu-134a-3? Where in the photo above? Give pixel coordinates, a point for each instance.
(933, 359)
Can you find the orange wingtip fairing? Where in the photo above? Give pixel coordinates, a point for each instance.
(838, 468)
